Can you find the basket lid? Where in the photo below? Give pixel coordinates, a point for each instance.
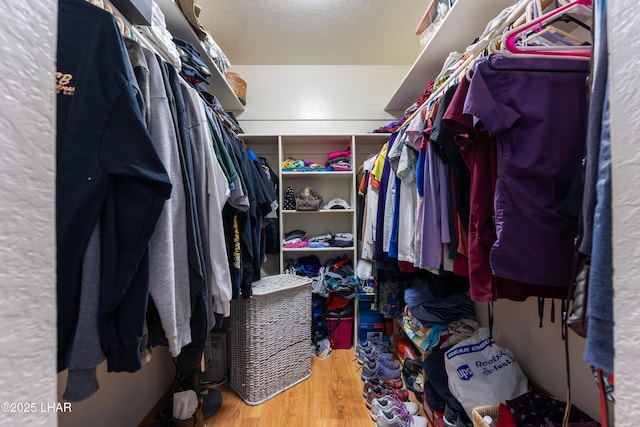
(277, 283)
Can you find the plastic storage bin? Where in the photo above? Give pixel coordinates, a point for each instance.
(270, 338)
(340, 332)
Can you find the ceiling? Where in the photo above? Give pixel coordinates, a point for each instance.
(315, 32)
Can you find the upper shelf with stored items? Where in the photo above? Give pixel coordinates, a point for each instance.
(465, 21)
(178, 25)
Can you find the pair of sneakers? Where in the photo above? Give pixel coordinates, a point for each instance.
(378, 381)
(399, 416)
(377, 392)
(386, 362)
(374, 356)
(371, 348)
(389, 405)
(380, 369)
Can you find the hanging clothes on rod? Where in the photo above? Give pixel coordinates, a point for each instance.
(467, 172)
(143, 246)
(103, 143)
(540, 143)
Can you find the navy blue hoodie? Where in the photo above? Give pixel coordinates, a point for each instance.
(107, 168)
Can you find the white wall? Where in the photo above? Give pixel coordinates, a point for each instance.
(624, 49)
(27, 233)
(123, 399)
(307, 99)
(540, 351)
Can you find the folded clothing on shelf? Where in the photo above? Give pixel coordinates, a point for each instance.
(299, 165)
(335, 154)
(321, 238)
(292, 164)
(295, 239)
(312, 165)
(341, 243)
(342, 163)
(343, 236)
(318, 244)
(342, 240)
(321, 241)
(297, 243)
(193, 67)
(294, 234)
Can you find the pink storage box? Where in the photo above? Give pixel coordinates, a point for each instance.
(340, 336)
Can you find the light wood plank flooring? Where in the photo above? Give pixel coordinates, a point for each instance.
(331, 397)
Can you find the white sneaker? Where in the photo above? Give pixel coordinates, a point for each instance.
(389, 403)
(400, 417)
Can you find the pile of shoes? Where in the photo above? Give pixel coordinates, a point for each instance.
(411, 360)
(383, 388)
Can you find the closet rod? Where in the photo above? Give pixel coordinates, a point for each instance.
(481, 45)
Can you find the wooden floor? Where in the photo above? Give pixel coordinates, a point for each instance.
(331, 397)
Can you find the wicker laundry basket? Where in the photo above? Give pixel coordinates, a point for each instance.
(271, 338)
(479, 412)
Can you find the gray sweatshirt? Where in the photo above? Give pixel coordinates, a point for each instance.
(86, 353)
(168, 253)
(212, 194)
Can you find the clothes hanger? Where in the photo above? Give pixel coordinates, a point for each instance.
(492, 64)
(493, 31)
(568, 19)
(552, 36)
(510, 47)
(124, 26)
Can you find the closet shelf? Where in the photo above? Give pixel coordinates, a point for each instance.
(321, 211)
(329, 249)
(178, 25)
(323, 173)
(465, 21)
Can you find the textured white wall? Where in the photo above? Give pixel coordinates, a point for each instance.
(540, 351)
(27, 232)
(123, 399)
(286, 99)
(624, 49)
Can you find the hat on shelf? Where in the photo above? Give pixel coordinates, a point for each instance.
(336, 203)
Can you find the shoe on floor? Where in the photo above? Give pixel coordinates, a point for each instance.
(389, 404)
(376, 381)
(378, 391)
(400, 417)
(372, 347)
(364, 357)
(387, 363)
(369, 346)
(375, 392)
(379, 371)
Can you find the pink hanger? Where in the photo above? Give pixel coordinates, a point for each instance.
(510, 38)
